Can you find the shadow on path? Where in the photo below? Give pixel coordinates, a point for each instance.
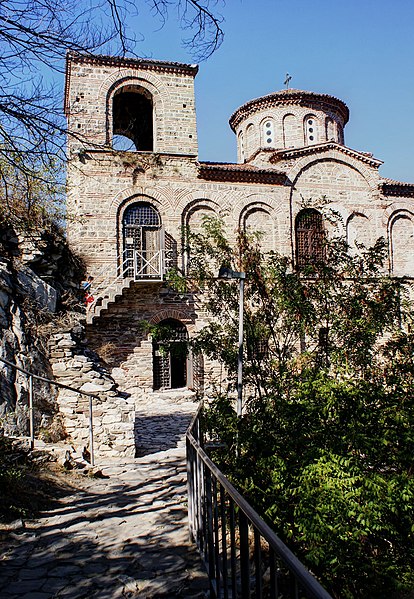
(122, 536)
(159, 433)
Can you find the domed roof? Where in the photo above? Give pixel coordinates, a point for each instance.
(287, 97)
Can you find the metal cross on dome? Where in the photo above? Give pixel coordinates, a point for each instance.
(287, 80)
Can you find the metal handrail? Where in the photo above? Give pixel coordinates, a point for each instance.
(221, 522)
(108, 283)
(62, 386)
(152, 260)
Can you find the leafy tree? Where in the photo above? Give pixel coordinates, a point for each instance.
(325, 443)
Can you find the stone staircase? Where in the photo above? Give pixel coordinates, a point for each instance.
(107, 295)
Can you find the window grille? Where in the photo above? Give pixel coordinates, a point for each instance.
(141, 215)
(309, 237)
(141, 231)
(162, 379)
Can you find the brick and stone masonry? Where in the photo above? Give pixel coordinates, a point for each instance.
(291, 148)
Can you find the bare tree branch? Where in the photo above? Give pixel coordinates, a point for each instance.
(35, 36)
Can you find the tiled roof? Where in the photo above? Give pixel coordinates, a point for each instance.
(240, 173)
(390, 187)
(324, 147)
(142, 63)
(289, 97)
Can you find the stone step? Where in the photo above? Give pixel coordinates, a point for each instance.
(109, 299)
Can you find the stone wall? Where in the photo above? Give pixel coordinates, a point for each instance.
(27, 322)
(113, 412)
(301, 161)
(292, 127)
(120, 337)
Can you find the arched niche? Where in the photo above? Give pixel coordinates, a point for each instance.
(358, 232)
(258, 219)
(290, 131)
(249, 140)
(195, 217)
(330, 132)
(193, 220)
(241, 147)
(402, 244)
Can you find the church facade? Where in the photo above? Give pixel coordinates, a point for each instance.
(135, 184)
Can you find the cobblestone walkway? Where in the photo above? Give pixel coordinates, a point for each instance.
(121, 536)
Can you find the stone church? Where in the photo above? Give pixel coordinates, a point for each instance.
(135, 183)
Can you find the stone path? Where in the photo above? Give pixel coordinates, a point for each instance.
(121, 536)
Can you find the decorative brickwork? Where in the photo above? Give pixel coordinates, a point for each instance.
(290, 149)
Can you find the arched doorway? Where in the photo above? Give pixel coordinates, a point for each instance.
(141, 229)
(169, 352)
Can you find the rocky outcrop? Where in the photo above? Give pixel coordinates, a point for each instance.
(23, 296)
(40, 315)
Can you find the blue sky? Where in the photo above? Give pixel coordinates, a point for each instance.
(361, 51)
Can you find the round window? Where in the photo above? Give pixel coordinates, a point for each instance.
(310, 130)
(268, 124)
(310, 122)
(269, 140)
(268, 132)
(311, 137)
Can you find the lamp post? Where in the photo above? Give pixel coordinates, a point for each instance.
(227, 273)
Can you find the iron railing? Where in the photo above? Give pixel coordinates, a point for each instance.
(137, 265)
(32, 376)
(244, 558)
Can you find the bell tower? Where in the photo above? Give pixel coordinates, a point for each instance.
(148, 103)
(130, 122)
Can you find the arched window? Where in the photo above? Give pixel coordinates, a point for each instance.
(141, 227)
(169, 352)
(268, 133)
(132, 113)
(311, 131)
(241, 147)
(309, 237)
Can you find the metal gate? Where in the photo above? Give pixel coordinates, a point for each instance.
(170, 356)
